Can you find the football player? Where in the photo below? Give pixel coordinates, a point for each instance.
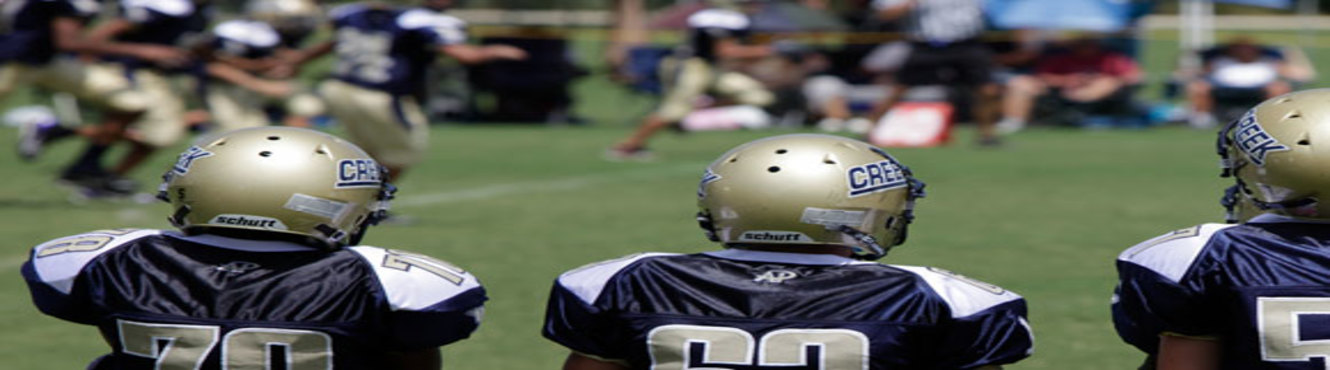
(379, 76)
(168, 23)
(1254, 293)
(39, 41)
(716, 36)
(247, 76)
(801, 217)
(265, 268)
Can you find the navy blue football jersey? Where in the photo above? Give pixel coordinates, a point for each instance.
(1261, 288)
(741, 309)
(208, 302)
(162, 22)
(389, 49)
(245, 39)
(707, 27)
(25, 27)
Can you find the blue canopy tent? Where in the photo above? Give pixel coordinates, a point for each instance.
(1084, 15)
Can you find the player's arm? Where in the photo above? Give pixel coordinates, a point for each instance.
(578, 361)
(1187, 353)
(424, 359)
(239, 77)
(987, 325)
(477, 54)
(68, 35)
(729, 48)
(1160, 290)
(302, 56)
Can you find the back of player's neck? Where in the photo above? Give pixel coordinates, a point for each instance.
(834, 250)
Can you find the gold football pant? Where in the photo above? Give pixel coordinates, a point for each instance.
(392, 129)
(102, 84)
(688, 79)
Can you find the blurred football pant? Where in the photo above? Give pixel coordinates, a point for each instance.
(393, 129)
(234, 107)
(690, 78)
(102, 84)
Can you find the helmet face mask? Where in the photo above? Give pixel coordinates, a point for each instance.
(278, 183)
(808, 190)
(1272, 152)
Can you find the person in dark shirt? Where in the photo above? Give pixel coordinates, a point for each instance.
(378, 79)
(39, 46)
(265, 268)
(1253, 293)
(716, 35)
(801, 218)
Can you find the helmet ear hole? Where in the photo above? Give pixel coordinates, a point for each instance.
(773, 169)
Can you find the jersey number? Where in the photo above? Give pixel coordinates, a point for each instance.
(83, 243)
(184, 347)
(403, 261)
(364, 55)
(680, 347)
(1278, 323)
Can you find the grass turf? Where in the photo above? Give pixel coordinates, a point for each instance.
(516, 205)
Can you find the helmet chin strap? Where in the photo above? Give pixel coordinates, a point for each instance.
(866, 242)
(1230, 203)
(708, 227)
(1222, 143)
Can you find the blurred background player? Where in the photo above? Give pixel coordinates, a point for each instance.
(265, 268)
(1252, 294)
(800, 216)
(37, 47)
(166, 23)
(249, 85)
(716, 37)
(1237, 74)
(945, 50)
(379, 76)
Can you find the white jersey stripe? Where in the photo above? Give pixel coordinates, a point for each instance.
(587, 282)
(58, 262)
(414, 282)
(1172, 254)
(965, 296)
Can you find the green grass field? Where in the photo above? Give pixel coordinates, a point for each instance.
(516, 205)
(1044, 216)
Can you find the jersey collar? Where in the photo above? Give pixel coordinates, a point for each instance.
(1271, 218)
(245, 245)
(782, 257)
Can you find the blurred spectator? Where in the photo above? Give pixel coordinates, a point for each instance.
(716, 37)
(535, 89)
(1085, 79)
(1239, 73)
(1017, 58)
(944, 50)
(835, 94)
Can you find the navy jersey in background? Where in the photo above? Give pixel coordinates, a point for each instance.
(1262, 289)
(740, 309)
(389, 49)
(169, 300)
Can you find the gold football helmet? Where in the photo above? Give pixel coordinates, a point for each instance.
(808, 189)
(291, 18)
(282, 182)
(1279, 152)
